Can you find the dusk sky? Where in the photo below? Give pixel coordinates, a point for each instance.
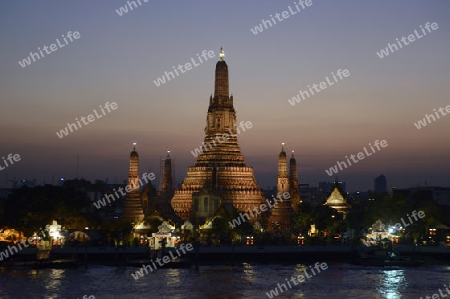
(117, 58)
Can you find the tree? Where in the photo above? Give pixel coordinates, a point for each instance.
(118, 229)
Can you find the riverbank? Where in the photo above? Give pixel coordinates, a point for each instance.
(224, 254)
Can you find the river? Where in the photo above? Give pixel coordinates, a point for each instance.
(247, 280)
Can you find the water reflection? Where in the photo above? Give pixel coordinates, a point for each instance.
(249, 273)
(247, 280)
(391, 283)
(174, 280)
(54, 282)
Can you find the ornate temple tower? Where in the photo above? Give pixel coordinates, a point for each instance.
(133, 209)
(220, 174)
(167, 189)
(283, 182)
(280, 219)
(293, 184)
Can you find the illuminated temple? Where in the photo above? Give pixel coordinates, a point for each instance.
(337, 200)
(218, 183)
(220, 176)
(133, 209)
(281, 216)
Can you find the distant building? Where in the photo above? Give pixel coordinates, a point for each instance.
(21, 183)
(316, 196)
(326, 186)
(441, 195)
(305, 194)
(313, 195)
(359, 196)
(379, 184)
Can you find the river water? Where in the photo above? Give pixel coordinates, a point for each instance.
(243, 281)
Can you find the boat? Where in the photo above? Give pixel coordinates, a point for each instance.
(386, 257)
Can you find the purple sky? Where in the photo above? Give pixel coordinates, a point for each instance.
(117, 58)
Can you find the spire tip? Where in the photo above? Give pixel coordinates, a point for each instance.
(221, 54)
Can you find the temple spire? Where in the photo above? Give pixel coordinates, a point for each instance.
(220, 176)
(221, 84)
(293, 184)
(133, 173)
(133, 209)
(221, 54)
(283, 185)
(281, 216)
(167, 188)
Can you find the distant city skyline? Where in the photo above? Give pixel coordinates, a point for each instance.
(116, 58)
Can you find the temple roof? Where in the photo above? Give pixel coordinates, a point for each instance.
(221, 85)
(134, 152)
(337, 198)
(282, 153)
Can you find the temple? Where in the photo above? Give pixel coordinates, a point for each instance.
(133, 209)
(220, 175)
(157, 202)
(219, 183)
(293, 184)
(337, 200)
(282, 212)
(166, 187)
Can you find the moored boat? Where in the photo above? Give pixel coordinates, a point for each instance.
(386, 257)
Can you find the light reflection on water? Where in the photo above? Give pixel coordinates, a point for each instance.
(248, 280)
(249, 274)
(392, 281)
(54, 282)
